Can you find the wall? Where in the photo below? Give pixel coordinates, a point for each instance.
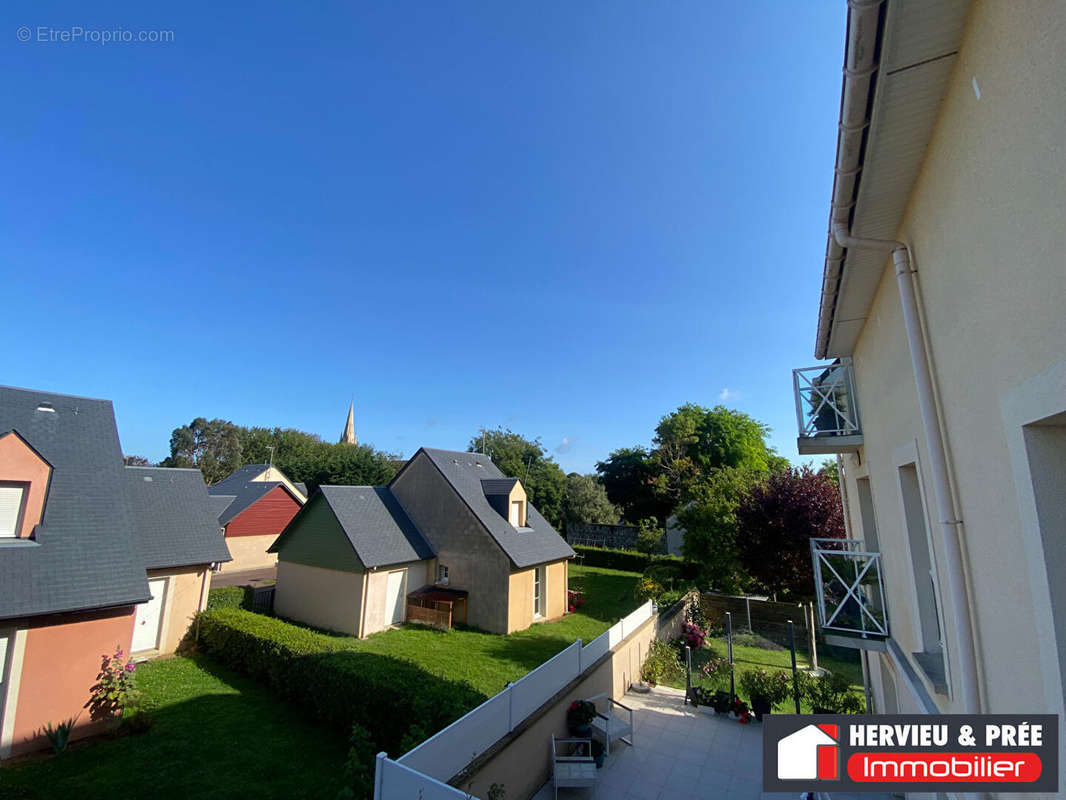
(520, 596)
(20, 463)
(597, 535)
(316, 539)
(249, 552)
(521, 762)
(59, 665)
(268, 515)
(984, 222)
(475, 562)
(325, 598)
(557, 579)
(185, 588)
(419, 573)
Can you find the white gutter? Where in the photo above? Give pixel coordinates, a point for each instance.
(949, 526)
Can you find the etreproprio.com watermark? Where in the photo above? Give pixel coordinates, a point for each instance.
(76, 34)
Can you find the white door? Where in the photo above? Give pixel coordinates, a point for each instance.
(149, 617)
(394, 597)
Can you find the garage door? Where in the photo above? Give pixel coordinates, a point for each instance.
(394, 597)
(149, 617)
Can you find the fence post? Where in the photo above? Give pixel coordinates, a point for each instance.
(688, 673)
(795, 681)
(747, 604)
(729, 645)
(813, 638)
(379, 774)
(510, 706)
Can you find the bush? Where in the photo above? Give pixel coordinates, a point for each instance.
(114, 688)
(338, 684)
(715, 674)
(830, 694)
(359, 766)
(692, 635)
(773, 685)
(662, 663)
(229, 597)
(631, 560)
(647, 589)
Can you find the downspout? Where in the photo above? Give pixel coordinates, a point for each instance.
(948, 524)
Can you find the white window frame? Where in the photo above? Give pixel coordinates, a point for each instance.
(539, 581)
(442, 575)
(23, 490)
(516, 513)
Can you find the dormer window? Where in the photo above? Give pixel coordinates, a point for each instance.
(12, 496)
(518, 513)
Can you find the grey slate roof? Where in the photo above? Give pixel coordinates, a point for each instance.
(498, 485)
(301, 486)
(218, 503)
(535, 544)
(83, 554)
(238, 478)
(173, 519)
(377, 527)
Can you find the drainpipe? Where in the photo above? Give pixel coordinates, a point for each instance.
(949, 525)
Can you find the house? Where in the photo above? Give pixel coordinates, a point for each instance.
(253, 505)
(450, 530)
(943, 291)
(178, 539)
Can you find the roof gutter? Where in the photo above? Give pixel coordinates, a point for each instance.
(950, 527)
(861, 61)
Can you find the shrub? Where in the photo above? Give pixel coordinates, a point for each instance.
(715, 673)
(359, 766)
(631, 560)
(229, 597)
(650, 537)
(339, 684)
(662, 663)
(647, 589)
(831, 694)
(114, 688)
(692, 635)
(59, 735)
(772, 685)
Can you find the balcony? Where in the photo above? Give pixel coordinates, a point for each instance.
(851, 594)
(827, 414)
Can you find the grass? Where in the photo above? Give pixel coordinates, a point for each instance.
(752, 652)
(215, 734)
(489, 661)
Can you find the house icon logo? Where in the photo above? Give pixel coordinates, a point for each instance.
(811, 753)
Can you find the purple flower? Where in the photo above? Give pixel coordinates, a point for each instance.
(131, 667)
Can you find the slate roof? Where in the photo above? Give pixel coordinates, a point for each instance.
(237, 479)
(219, 503)
(301, 486)
(377, 527)
(83, 553)
(241, 497)
(536, 543)
(174, 523)
(498, 485)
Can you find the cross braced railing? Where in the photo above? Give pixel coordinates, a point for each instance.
(825, 400)
(849, 586)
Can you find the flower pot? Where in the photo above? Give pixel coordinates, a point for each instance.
(760, 705)
(721, 702)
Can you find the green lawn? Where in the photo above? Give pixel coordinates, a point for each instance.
(747, 655)
(215, 735)
(489, 661)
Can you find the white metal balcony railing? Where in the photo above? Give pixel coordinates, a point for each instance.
(850, 589)
(826, 407)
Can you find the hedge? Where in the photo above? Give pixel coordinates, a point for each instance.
(229, 597)
(397, 701)
(631, 560)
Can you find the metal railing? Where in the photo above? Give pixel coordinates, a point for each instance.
(850, 588)
(825, 400)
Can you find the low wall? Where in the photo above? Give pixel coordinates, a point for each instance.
(520, 761)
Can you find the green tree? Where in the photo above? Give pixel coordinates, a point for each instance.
(586, 501)
(628, 476)
(710, 525)
(214, 446)
(650, 536)
(136, 461)
(527, 460)
(830, 471)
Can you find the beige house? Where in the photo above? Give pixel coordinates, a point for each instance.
(449, 535)
(944, 307)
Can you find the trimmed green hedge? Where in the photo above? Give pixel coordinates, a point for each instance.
(396, 700)
(229, 597)
(631, 560)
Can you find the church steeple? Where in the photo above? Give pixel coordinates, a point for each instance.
(348, 437)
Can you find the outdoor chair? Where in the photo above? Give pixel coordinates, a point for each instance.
(614, 722)
(570, 769)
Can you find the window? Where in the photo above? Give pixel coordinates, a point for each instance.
(516, 513)
(931, 658)
(538, 592)
(442, 575)
(11, 496)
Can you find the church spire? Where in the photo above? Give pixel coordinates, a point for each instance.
(348, 437)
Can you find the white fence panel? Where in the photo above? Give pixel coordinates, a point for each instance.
(595, 650)
(530, 692)
(451, 749)
(636, 619)
(394, 781)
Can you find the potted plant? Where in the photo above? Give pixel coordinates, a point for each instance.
(722, 702)
(597, 752)
(831, 694)
(579, 717)
(764, 689)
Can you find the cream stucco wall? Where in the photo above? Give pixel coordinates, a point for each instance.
(249, 552)
(985, 224)
(184, 593)
(325, 598)
(418, 574)
(520, 596)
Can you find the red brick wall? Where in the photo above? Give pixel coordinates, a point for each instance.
(267, 516)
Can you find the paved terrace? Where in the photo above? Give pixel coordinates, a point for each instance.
(682, 753)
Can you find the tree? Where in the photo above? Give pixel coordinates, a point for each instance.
(710, 525)
(628, 476)
(527, 460)
(340, 465)
(586, 501)
(776, 520)
(136, 461)
(214, 446)
(650, 536)
(831, 471)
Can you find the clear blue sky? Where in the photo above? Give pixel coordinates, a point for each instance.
(563, 217)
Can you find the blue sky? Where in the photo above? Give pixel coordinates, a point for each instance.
(565, 218)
